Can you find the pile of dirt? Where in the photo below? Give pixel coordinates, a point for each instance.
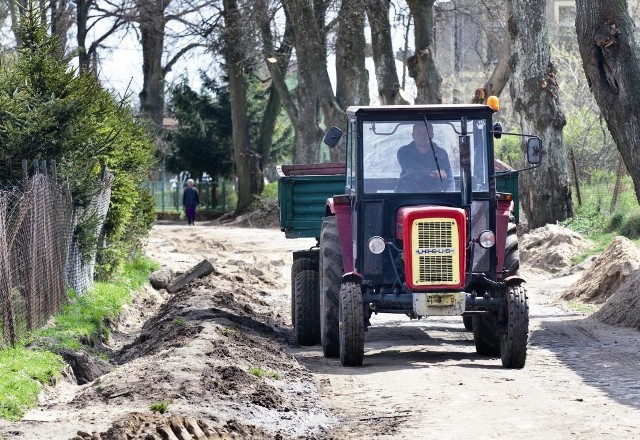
(265, 214)
(623, 308)
(215, 347)
(609, 271)
(551, 247)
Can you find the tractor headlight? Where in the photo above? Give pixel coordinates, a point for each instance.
(487, 239)
(376, 245)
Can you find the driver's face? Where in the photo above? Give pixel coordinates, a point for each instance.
(421, 135)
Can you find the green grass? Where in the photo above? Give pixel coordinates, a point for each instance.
(594, 221)
(270, 191)
(159, 407)
(79, 324)
(21, 372)
(259, 372)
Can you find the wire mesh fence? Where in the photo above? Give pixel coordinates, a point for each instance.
(39, 255)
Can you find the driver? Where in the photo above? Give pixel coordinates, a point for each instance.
(425, 166)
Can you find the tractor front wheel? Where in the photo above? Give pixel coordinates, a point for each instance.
(513, 344)
(330, 281)
(351, 328)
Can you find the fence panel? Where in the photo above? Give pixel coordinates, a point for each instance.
(216, 195)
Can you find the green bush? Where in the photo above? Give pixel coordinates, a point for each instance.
(631, 226)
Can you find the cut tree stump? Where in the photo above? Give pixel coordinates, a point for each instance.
(202, 269)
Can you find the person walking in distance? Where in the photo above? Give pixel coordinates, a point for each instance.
(190, 201)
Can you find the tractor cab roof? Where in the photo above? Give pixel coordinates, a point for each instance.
(395, 109)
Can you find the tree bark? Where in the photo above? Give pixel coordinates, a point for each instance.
(244, 157)
(611, 60)
(422, 65)
(352, 80)
(152, 31)
(545, 193)
(383, 57)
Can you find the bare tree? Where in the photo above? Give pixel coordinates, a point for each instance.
(383, 56)
(422, 65)
(545, 193)
(234, 56)
(352, 80)
(611, 60)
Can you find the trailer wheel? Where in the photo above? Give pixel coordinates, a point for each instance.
(351, 326)
(307, 305)
(485, 334)
(513, 344)
(330, 281)
(300, 264)
(512, 253)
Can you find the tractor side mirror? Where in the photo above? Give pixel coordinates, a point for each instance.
(333, 136)
(534, 151)
(497, 130)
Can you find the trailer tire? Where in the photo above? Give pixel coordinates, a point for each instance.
(300, 264)
(330, 282)
(485, 334)
(307, 314)
(513, 344)
(511, 252)
(351, 327)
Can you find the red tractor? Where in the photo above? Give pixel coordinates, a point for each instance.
(413, 225)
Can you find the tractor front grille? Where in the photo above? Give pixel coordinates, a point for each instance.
(435, 252)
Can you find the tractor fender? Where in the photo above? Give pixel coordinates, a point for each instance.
(514, 280)
(352, 277)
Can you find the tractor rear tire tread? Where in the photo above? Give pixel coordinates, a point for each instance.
(330, 282)
(512, 253)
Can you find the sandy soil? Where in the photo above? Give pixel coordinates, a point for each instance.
(201, 351)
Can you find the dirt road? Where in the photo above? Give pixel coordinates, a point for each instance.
(420, 379)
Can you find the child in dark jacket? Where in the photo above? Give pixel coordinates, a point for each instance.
(190, 201)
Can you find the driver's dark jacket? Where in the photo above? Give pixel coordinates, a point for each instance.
(413, 161)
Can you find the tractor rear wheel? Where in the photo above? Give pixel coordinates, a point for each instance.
(513, 344)
(300, 264)
(485, 334)
(307, 307)
(330, 281)
(351, 328)
(468, 322)
(511, 252)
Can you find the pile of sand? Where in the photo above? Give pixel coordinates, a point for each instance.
(551, 247)
(607, 274)
(623, 308)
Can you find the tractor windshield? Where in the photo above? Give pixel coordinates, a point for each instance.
(411, 156)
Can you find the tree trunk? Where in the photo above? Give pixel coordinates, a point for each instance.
(352, 80)
(422, 65)
(611, 60)
(152, 29)
(501, 74)
(243, 156)
(383, 57)
(82, 17)
(545, 192)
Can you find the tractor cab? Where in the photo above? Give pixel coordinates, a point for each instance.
(420, 229)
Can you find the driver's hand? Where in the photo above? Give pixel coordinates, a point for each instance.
(434, 174)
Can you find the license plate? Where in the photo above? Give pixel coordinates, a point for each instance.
(444, 299)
